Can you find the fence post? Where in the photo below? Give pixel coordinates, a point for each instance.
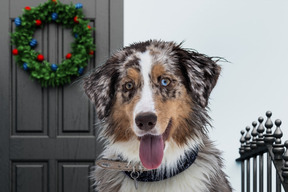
(260, 142)
(269, 139)
(247, 148)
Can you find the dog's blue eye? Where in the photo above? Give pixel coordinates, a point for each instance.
(129, 85)
(165, 82)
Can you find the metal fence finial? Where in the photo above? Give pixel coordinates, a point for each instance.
(269, 138)
(242, 141)
(247, 138)
(254, 134)
(278, 148)
(260, 129)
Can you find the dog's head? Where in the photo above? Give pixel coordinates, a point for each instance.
(154, 91)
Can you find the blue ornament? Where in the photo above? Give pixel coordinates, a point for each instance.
(54, 16)
(78, 6)
(76, 35)
(80, 70)
(54, 67)
(17, 21)
(33, 42)
(25, 67)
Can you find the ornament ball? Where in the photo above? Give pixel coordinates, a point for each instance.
(54, 67)
(25, 67)
(38, 22)
(68, 56)
(80, 70)
(40, 57)
(76, 19)
(33, 42)
(54, 16)
(78, 6)
(15, 51)
(17, 21)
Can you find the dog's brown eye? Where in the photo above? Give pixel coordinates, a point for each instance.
(165, 82)
(129, 86)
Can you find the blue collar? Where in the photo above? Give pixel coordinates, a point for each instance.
(153, 175)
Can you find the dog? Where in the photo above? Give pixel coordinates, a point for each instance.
(151, 101)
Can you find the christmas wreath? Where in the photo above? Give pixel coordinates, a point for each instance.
(32, 61)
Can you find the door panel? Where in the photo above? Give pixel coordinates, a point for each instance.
(73, 176)
(23, 173)
(48, 141)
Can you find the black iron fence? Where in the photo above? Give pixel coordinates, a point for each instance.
(259, 143)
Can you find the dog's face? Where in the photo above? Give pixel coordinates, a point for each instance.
(156, 92)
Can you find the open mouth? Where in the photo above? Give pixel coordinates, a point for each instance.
(151, 150)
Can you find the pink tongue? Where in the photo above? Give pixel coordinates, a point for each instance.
(151, 151)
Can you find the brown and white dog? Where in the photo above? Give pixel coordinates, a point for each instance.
(151, 98)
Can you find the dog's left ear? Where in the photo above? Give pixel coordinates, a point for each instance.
(202, 73)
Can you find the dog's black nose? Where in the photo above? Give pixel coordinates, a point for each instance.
(146, 121)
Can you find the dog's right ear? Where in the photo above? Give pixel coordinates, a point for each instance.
(201, 72)
(100, 88)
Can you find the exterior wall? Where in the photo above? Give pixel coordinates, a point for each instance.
(252, 35)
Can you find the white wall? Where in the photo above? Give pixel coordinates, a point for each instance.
(252, 35)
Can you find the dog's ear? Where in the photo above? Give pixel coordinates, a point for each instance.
(100, 86)
(201, 73)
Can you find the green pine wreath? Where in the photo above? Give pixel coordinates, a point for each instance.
(32, 61)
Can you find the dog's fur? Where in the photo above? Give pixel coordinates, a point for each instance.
(180, 106)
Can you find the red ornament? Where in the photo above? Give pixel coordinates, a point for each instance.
(15, 51)
(38, 22)
(28, 8)
(91, 52)
(68, 56)
(40, 57)
(89, 27)
(76, 19)
(55, 1)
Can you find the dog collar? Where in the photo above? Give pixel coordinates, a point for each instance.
(119, 165)
(153, 175)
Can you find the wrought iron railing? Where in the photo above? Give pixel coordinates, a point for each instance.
(254, 145)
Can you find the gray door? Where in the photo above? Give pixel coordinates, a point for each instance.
(47, 138)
